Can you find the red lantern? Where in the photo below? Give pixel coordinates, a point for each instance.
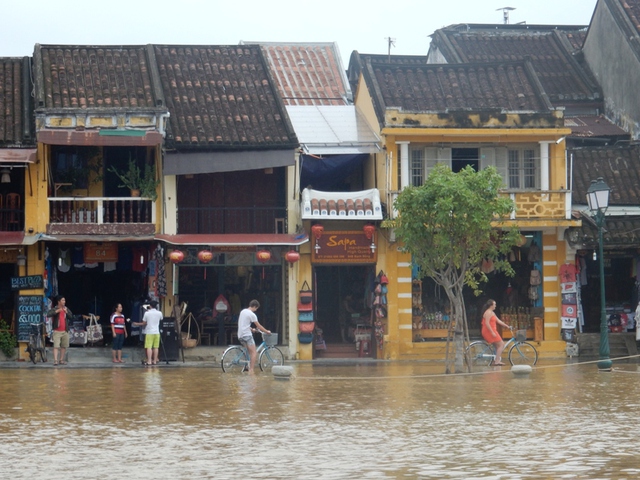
(176, 256)
(369, 230)
(263, 256)
(205, 256)
(292, 256)
(317, 230)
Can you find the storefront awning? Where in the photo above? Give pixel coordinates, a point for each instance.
(235, 239)
(193, 163)
(361, 205)
(17, 155)
(98, 139)
(96, 238)
(11, 238)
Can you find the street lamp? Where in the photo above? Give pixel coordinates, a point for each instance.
(598, 198)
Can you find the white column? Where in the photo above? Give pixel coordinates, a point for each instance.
(544, 166)
(404, 164)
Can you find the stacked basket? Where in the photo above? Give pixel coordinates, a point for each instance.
(306, 323)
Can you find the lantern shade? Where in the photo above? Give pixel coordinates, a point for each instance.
(205, 256)
(263, 256)
(176, 256)
(317, 230)
(292, 256)
(598, 195)
(369, 230)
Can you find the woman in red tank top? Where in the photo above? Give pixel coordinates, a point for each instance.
(490, 330)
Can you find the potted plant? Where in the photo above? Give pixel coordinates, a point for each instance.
(140, 183)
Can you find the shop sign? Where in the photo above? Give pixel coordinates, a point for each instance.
(343, 247)
(233, 248)
(25, 283)
(29, 310)
(95, 252)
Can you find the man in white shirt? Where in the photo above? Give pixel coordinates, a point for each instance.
(151, 324)
(247, 318)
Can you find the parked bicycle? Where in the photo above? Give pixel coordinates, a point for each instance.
(36, 346)
(236, 357)
(521, 352)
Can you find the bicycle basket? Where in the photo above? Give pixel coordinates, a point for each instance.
(521, 335)
(270, 340)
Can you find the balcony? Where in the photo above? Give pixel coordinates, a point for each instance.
(101, 216)
(214, 220)
(540, 205)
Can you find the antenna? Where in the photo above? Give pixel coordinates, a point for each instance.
(505, 13)
(391, 42)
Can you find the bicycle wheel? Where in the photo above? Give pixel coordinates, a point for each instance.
(233, 359)
(41, 348)
(31, 350)
(479, 354)
(269, 357)
(523, 354)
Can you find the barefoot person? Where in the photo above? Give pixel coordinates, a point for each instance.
(246, 319)
(151, 324)
(490, 330)
(60, 321)
(119, 331)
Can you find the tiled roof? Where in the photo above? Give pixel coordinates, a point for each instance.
(438, 88)
(632, 9)
(618, 232)
(222, 97)
(357, 62)
(308, 73)
(549, 49)
(88, 77)
(13, 72)
(589, 126)
(618, 166)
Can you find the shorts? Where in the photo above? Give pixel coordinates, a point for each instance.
(247, 341)
(118, 341)
(60, 339)
(152, 340)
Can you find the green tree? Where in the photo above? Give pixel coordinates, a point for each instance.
(449, 225)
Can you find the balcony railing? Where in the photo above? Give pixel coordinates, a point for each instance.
(11, 219)
(101, 210)
(232, 220)
(541, 204)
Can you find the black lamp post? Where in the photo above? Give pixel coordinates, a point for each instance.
(598, 198)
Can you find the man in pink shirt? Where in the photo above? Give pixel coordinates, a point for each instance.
(60, 320)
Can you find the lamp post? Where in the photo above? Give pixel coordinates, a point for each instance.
(598, 198)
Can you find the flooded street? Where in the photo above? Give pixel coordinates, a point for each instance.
(368, 421)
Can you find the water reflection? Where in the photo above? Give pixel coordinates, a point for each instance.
(373, 421)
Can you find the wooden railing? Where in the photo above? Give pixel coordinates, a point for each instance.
(101, 210)
(547, 204)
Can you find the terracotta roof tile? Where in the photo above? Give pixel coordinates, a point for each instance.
(222, 96)
(589, 126)
(308, 73)
(549, 49)
(12, 103)
(618, 166)
(93, 77)
(632, 9)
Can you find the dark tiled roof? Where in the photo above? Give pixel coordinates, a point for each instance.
(618, 166)
(437, 88)
(357, 62)
(222, 97)
(618, 232)
(87, 77)
(589, 126)
(13, 123)
(549, 48)
(632, 9)
(308, 73)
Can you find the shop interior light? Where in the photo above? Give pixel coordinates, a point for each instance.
(6, 175)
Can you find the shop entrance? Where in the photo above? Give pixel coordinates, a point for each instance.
(341, 300)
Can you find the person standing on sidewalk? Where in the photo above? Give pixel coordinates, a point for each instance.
(151, 324)
(119, 331)
(60, 321)
(246, 319)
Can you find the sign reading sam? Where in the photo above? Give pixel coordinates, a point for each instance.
(343, 247)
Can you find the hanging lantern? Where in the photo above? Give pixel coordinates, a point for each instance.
(263, 256)
(292, 256)
(205, 256)
(369, 230)
(317, 230)
(176, 256)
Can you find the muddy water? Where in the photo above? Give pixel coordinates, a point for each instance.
(373, 421)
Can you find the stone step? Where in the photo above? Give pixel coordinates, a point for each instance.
(620, 344)
(338, 350)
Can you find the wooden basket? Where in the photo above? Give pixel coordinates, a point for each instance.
(188, 342)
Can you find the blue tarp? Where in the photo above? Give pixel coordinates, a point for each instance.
(327, 173)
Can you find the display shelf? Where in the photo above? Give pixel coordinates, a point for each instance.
(434, 332)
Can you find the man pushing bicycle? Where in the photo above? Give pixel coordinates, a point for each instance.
(246, 319)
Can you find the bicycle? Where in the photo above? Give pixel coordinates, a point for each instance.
(236, 357)
(521, 352)
(36, 345)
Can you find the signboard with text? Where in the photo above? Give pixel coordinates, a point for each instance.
(29, 310)
(25, 283)
(96, 252)
(343, 247)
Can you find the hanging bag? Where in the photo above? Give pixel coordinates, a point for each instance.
(306, 294)
(534, 278)
(94, 330)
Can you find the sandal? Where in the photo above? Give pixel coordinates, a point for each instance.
(499, 364)
(63, 363)
(55, 364)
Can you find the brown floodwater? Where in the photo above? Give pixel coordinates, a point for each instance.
(398, 420)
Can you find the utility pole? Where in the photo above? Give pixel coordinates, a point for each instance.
(391, 42)
(505, 13)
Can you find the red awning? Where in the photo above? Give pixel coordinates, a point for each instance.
(11, 238)
(246, 239)
(18, 155)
